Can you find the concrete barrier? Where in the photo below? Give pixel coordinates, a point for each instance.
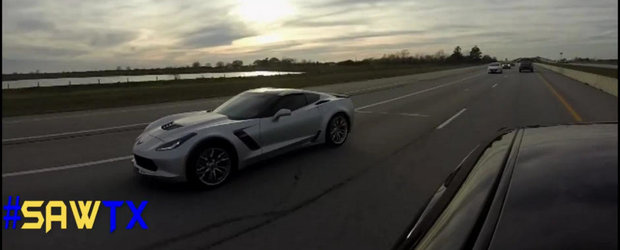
(604, 83)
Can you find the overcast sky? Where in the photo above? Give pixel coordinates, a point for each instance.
(70, 35)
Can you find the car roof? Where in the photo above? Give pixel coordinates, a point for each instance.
(563, 190)
(278, 91)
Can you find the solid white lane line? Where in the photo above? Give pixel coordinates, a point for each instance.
(451, 118)
(72, 166)
(494, 85)
(413, 114)
(388, 113)
(73, 133)
(415, 93)
(376, 87)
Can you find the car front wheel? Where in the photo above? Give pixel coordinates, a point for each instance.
(337, 130)
(212, 166)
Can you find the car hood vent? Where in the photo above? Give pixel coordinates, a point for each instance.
(170, 126)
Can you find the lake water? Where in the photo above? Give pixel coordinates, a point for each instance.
(123, 79)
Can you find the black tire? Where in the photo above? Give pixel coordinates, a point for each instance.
(211, 165)
(337, 130)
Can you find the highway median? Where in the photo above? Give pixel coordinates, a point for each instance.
(29, 101)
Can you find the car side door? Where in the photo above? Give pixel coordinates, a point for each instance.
(286, 131)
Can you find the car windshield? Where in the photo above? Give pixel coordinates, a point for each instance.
(494, 64)
(246, 105)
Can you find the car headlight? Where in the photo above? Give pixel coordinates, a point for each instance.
(139, 140)
(175, 143)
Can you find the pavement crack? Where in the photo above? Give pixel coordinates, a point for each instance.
(207, 228)
(271, 217)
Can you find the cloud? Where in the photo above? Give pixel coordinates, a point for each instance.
(32, 52)
(350, 3)
(316, 23)
(74, 34)
(606, 36)
(370, 34)
(215, 35)
(110, 38)
(29, 25)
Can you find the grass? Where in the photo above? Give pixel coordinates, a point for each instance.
(609, 72)
(30, 101)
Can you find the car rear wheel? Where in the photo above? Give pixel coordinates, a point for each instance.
(337, 130)
(212, 166)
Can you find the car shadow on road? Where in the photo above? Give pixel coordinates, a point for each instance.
(242, 176)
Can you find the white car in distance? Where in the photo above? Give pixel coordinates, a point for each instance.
(494, 68)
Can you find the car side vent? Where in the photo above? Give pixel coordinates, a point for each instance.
(170, 126)
(321, 102)
(246, 139)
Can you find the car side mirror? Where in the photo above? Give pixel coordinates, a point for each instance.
(280, 113)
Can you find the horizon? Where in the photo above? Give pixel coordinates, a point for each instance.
(49, 36)
(250, 63)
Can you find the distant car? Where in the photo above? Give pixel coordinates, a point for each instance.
(506, 66)
(532, 188)
(526, 65)
(206, 148)
(494, 68)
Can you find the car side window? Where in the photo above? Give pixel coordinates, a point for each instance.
(312, 98)
(291, 102)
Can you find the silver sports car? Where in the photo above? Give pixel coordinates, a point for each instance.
(207, 147)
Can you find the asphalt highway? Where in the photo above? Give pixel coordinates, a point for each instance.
(405, 141)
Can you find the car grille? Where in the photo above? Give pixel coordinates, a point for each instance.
(145, 163)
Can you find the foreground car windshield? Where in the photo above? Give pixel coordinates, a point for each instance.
(246, 105)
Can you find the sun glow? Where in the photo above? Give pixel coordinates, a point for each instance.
(264, 11)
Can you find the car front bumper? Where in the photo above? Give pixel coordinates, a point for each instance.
(166, 164)
(164, 170)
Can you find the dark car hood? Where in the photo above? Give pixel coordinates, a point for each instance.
(563, 192)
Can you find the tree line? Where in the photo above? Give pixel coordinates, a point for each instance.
(402, 57)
